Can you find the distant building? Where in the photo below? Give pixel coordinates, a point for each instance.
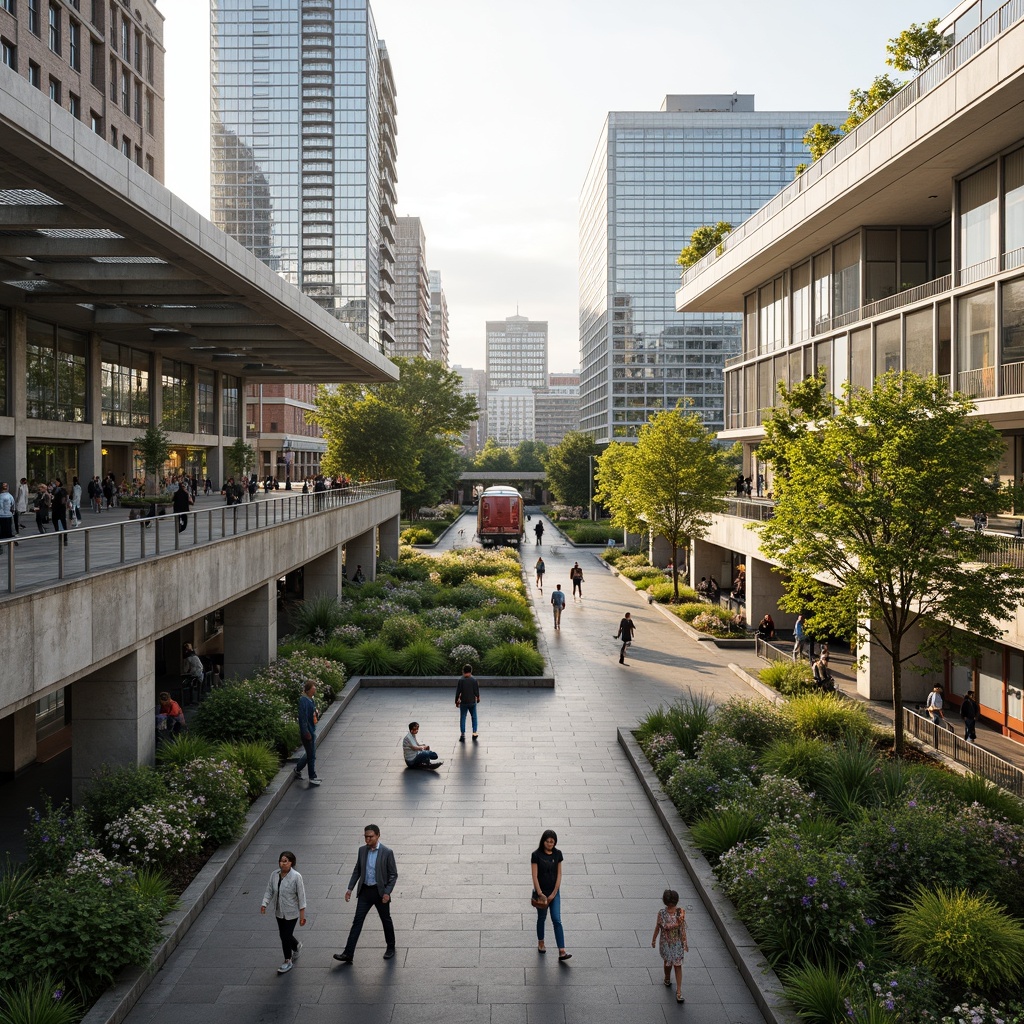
(557, 408)
(412, 295)
(517, 353)
(104, 63)
(474, 382)
(655, 177)
(511, 415)
(438, 320)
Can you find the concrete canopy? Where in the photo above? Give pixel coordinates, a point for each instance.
(91, 239)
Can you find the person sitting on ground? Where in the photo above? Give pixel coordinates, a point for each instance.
(822, 677)
(766, 627)
(418, 755)
(359, 577)
(170, 711)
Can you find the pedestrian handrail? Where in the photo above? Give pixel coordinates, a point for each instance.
(1004, 774)
(88, 549)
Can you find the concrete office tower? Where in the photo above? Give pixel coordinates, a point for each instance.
(438, 320)
(474, 382)
(655, 177)
(303, 150)
(557, 408)
(412, 298)
(517, 353)
(511, 415)
(103, 62)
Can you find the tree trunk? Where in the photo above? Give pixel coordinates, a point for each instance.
(897, 699)
(675, 573)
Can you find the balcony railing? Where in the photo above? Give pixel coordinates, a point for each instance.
(970, 755)
(979, 383)
(43, 559)
(933, 76)
(758, 511)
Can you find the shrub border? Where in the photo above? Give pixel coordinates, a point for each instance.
(757, 974)
(438, 538)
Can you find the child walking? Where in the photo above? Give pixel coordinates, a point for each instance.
(671, 924)
(286, 891)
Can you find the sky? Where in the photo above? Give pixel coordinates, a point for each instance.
(500, 106)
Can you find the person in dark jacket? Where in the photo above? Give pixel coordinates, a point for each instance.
(182, 500)
(969, 713)
(627, 627)
(307, 731)
(467, 696)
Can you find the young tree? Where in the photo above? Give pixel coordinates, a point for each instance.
(241, 456)
(864, 102)
(916, 47)
(820, 138)
(154, 447)
(670, 482)
(568, 468)
(702, 241)
(865, 499)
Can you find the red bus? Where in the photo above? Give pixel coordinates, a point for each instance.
(500, 517)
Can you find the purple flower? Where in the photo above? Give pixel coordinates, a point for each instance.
(812, 881)
(805, 901)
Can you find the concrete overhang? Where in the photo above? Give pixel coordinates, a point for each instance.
(899, 175)
(91, 240)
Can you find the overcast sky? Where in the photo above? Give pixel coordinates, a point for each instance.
(500, 105)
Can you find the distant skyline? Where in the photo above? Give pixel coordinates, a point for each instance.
(500, 108)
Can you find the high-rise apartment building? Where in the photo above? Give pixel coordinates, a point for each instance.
(438, 320)
(557, 408)
(101, 60)
(517, 353)
(656, 176)
(474, 382)
(303, 150)
(412, 294)
(511, 415)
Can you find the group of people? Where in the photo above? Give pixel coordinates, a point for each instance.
(745, 485)
(708, 589)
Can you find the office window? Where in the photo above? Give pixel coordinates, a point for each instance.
(113, 136)
(822, 287)
(75, 106)
(124, 385)
(9, 7)
(35, 74)
(10, 54)
(178, 400)
(149, 112)
(33, 17)
(846, 276)
(149, 165)
(55, 28)
(1013, 183)
(1012, 354)
(95, 122)
(231, 388)
(138, 155)
(75, 45)
(55, 90)
(975, 344)
(887, 346)
(138, 52)
(150, 60)
(126, 146)
(126, 39)
(207, 402)
(55, 373)
(113, 79)
(979, 217)
(919, 334)
(800, 280)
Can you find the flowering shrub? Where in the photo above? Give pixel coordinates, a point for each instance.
(981, 1011)
(909, 993)
(157, 835)
(658, 745)
(252, 709)
(218, 795)
(695, 787)
(463, 654)
(94, 864)
(349, 633)
(715, 625)
(444, 617)
(54, 835)
(753, 722)
(727, 756)
(509, 627)
(115, 790)
(800, 901)
(775, 798)
(400, 631)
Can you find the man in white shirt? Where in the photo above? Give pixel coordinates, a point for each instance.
(418, 755)
(934, 705)
(6, 513)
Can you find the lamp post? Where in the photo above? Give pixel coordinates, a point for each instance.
(590, 460)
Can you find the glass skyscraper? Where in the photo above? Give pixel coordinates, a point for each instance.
(656, 177)
(303, 150)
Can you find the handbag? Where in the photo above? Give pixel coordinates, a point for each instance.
(538, 901)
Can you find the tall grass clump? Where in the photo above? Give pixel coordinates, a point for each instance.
(514, 659)
(256, 761)
(827, 716)
(818, 992)
(420, 658)
(181, 749)
(790, 678)
(318, 616)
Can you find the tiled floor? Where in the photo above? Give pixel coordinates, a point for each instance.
(463, 837)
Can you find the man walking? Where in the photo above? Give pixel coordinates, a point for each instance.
(307, 730)
(539, 531)
(799, 636)
(557, 604)
(467, 696)
(374, 880)
(576, 575)
(627, 627)
(934, 705)
(181, 502)
(6, 513)
(59, 509)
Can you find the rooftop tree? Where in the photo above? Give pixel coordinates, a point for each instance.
(866, 498)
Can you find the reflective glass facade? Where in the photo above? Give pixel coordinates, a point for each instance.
(297, 166)
(655, 178)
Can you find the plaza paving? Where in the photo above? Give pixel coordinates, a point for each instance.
(463, 838)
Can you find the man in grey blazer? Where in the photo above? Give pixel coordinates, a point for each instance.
(373, 879)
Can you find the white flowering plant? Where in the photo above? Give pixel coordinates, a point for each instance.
(161, 834)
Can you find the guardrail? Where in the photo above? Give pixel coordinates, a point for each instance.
(1005, 775)
(758, 511)
(39, 559)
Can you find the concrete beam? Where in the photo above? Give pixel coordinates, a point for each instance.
(250, 631)
(17, 741)
(389, 534)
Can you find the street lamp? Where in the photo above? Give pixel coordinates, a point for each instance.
(590, 459)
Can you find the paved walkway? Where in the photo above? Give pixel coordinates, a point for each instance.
(463, 838)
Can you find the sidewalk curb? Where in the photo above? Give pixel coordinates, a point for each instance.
(757, 974)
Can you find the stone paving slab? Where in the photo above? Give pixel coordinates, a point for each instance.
(463, 837)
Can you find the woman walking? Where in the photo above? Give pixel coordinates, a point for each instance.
(286, 891)
(546, 866)
(541, 567)
(671, 924)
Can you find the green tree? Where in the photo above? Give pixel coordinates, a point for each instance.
(439, 468)
(702, 241)
(495, 457)
(864, 501)
(670, 482)
(529, 456)
(241, 456)
(154, 448)
(864, 102)
(568, 469)
(916, 47)
(820, 138)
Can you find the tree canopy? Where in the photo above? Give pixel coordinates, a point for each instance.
(866, 501)
(702, 241)
(670, 481)
(241, 456)
(527, 456)
(568, 467)
(398, 429)
(911, 51)
(154, 448)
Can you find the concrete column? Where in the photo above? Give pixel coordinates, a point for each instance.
(708, 560)
(114, 717)
(874, 670)
(362, 550)
(322, 576)
(764, 590)
(17, 741)
(389, 531)
(215, 465)
(250, 632)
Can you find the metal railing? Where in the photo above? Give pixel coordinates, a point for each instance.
(759, 510)
(35, 560)
(1005, 775)
(933, 76)
(1011, 379)
(977, 383)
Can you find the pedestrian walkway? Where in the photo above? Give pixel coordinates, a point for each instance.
(463, 837)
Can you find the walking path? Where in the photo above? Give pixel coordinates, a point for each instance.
(463, 838)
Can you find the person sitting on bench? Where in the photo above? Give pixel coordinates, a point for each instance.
(418, 755)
